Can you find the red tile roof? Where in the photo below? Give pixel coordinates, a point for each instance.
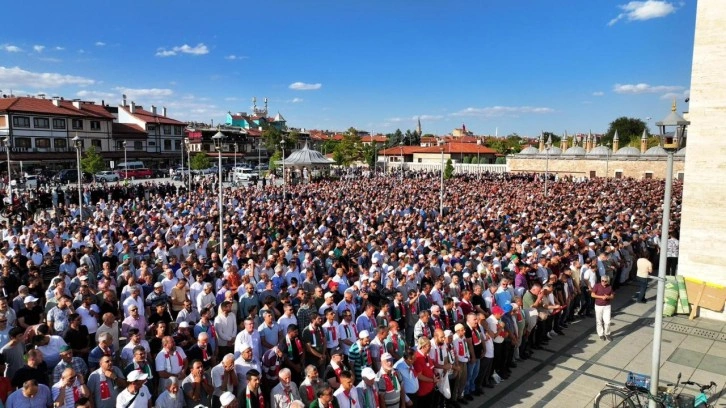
(374, 139)
(91, 109)
(396, 150)
(41, 106)
(149, 117)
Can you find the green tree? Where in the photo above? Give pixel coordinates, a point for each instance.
(271, 138)
(329, 146)
(628, 130)
(349, 149)
(467, 160)
(474, 160)
(92, 162)
(200, 161)
(501, 160)
(395, 138)
(449, 170)
(370, 155)
(277, 156)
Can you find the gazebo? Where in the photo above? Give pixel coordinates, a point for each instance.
(300, 164)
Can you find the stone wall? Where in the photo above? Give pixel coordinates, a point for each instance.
(583, 167)
(703, 219)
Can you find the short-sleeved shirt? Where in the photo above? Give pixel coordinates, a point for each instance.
(142, 399)
(601, 290)
(422, 365)
(389, 385)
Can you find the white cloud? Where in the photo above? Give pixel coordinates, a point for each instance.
(302, 86)
(16, 76)
(96, 95)
(644, 10)
(598, 93)
(429, 117)
(296, 100)
(149, 93)
(233, 57)
(10, 48)
(231, 98)
(496, 111)
(38, 48)
(59, 48)
(199, 49)
(100, 43)
(645, 88)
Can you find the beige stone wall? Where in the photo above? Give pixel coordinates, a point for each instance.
(703, 222)
(583, 167)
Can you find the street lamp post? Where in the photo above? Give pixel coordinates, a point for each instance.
(6, 142)
(78, 143)
(189, 164)
(670, 146)
(217, 138)
(282, 147)
(441, 189)
(607, 162)
(181, 169)
(548, 146)
(401, 162)
(126, 162)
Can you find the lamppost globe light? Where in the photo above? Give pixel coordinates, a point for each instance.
(6, 142)
(77, 142)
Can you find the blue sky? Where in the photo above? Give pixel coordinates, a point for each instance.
(516, 66)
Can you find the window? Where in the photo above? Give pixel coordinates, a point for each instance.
(167, 144)
(177, 145)
(60, 143)
(23, 142)
(95, 125)
(167, 129)
(177, 130)
(151, 128)
(681, 176)
(77, 124)
(593, 174)
(119, 145)
(21, 121)
(59, 123)
(96, 144)
(138, 146)
(41, 123)
(618, 174)
(152, 143)
(648, 175)
(42, 143)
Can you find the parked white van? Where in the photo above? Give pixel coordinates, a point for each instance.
(132, 165)
(243, 174)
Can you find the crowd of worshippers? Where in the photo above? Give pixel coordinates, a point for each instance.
(344, 294)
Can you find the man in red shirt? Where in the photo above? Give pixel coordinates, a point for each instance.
(423, 368)
(603, 294)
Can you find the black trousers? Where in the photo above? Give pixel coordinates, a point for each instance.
(671, 265)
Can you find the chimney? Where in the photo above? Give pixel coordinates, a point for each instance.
(56, 102)
(123, 101)
(77, 104)
(153, 110)
(163, 111)
(132, 109)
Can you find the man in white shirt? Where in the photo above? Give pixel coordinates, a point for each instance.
(136, 394)
(68, 389)
(172, 397)
(224, 377)
(347, 394)
(171, 361)
(226, 326)
(244, 363)
(248, 336)
(206, 298)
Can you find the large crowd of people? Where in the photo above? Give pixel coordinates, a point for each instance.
(354, 293)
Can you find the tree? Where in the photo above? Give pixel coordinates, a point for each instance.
(449, 170)
(200, 161)
(628, 129)
(349, 149)
(277, 156)
(370, 155)
(395, 138)
(271, 138)
(467, 160)
(92, 162)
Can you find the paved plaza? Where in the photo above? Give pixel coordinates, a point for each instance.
(573, 368)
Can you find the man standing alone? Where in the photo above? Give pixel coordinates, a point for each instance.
(603, 294)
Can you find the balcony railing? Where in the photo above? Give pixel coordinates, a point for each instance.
(15, 149)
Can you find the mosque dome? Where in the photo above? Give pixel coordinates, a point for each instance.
(529, 151)
(681, 153)
(628, 151)
(600, 151)
(655, 151)
(574, 151)
(554, 151)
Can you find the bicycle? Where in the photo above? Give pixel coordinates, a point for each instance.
(636, 394)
